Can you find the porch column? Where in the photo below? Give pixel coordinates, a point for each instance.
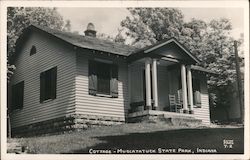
(184, 88)
(190, 90)
(154, 83)
(148, 83)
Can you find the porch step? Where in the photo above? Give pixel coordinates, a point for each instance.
(168, 119)
(191, 122)
(16, 147)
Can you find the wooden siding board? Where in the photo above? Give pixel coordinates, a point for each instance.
(96, 114)
(102, 112)
(34, 119)
(49, 54)
(102, 107)
(104, 102)
(96, 105)
(203, 113)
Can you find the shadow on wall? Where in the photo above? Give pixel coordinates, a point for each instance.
(230, 113)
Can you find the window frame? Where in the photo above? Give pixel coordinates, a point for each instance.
(48, 85)
(99, 66)
(15, 93)
(33, 50)
(196, 82)
(93, 66)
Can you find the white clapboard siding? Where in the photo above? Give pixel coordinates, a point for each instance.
(50, 53)
(203, 113)
(101, 106)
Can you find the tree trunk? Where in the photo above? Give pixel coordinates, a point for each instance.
(239, 82)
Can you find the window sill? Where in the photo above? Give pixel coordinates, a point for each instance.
(15, 110)
(103, 95)
(46, 101)
(197, 106)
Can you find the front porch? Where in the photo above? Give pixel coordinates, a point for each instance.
(165, 77)
(164, 86)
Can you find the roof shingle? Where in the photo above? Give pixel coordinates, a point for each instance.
(90, 42)
(94, 43)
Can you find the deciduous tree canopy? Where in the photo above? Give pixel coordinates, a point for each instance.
(210, 42)
(19, 18)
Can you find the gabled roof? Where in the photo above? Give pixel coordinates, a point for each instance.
(201, 69)
(85, 41)
(94, 43)
(97, 44)
(107, 46)
(157, 45)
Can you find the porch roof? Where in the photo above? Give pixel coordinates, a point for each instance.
(148, 50)
(201, 69)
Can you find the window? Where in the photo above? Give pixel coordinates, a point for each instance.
(48, 84)
(196, 92)
(103, 78)
(33, 50)
(17, 96)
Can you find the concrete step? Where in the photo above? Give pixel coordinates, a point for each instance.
(179, 121)
(169, 118)
(15, 147)
(173, 120)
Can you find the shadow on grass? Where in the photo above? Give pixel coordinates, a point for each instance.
(211, 138)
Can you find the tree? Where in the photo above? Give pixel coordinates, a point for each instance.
(192, 35)
(19, 18)
(104, 36)
(67, 26)
(210, 42)
(146, 26)
(119, 38)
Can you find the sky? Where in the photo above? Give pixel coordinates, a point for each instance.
(107, 20)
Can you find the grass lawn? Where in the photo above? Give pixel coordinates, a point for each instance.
(138, 137)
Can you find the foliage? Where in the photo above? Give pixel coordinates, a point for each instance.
(119, 38)
(10, 71)
(67, 26)
(19, 18)
(149, 25)
(210, 42)
(104, 36)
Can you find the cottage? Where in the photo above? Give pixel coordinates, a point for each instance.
(66, 81)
